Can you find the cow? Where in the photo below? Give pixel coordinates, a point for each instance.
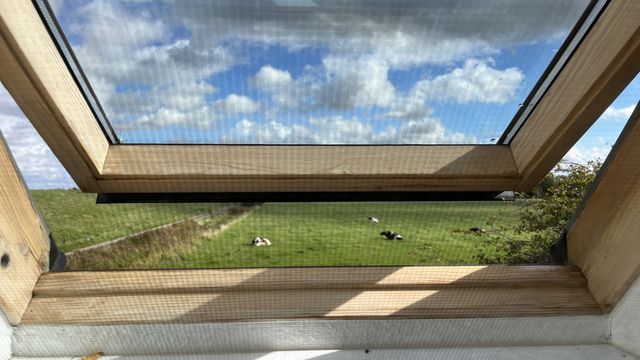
(391, 235)
(478, 230)
(260, 241)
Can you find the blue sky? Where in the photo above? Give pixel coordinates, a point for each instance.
(311, 71)
(314, 71)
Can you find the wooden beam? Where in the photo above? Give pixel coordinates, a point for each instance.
(203, 161)
(35, 74)
(603, 240)
(604, 63)
(311, 278)
(194, 296)
(24, 242)
(231, 168)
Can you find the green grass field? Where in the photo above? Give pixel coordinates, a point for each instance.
(303, 234)
(76, 221)
(334, 234)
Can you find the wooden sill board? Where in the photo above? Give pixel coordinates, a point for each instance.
(196, 296)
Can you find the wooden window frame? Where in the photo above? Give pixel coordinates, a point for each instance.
(24, 242)
(37, 77)
(602, 236)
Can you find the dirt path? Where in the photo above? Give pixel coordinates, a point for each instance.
(217, 231)
(195, 218)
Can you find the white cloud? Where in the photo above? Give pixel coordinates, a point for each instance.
(338, 130)
(321, 131)
(142, 75)
(614, 113)
(475, 81)
(100, 20)
(162, 118)
(340, 84)
(352, 83)
(199, 118)
(424, 131)
(235, 104)
(402, 33)
(278, 83)
(403, 50)
(273, 132)
(411, 107)
(271, 79)
(36, 162)
(182, 96)
(175, 104)
(581, 154)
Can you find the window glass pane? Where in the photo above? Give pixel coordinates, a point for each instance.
(314, 71)
(597, 142)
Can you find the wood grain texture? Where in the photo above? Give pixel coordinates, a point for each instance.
(23, 240)
(220, 280)
(200, 161)
(37, 77)
(604, 63)
(188, 296)
(231, 168)
(603, 240)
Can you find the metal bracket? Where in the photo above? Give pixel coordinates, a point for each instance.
(259, 197)
(558, 250)
(57, 258)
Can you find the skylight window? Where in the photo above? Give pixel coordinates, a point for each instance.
(313, 71)
(597, 59)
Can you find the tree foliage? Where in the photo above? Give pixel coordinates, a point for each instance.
(544, 215)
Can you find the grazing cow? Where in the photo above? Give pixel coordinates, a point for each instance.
(260, 241)
(477, 230)
(373, 220)
(391, 235)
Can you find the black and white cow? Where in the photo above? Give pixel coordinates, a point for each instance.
(391, 235)
(478, 230)
(260, 241)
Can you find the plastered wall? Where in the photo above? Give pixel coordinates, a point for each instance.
(625, 321)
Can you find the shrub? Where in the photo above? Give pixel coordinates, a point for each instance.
(543, 218)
